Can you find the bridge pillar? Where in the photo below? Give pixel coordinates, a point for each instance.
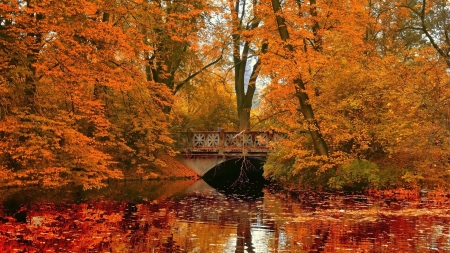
(201, 165)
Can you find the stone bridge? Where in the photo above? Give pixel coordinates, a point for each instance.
(203, 150)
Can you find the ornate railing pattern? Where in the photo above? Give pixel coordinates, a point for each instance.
(229, 141)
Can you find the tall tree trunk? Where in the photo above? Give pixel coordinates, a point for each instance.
(31, 58)
(243, 98)
(313, 126)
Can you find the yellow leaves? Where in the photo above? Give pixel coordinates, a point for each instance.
(206, 104)
(76, 98)
(5, 173)
(52, 176)
(372, 96)
(40, 144)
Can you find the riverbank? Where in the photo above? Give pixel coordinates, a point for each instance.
(168, 168)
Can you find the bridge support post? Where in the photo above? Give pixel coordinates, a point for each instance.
(222, 138)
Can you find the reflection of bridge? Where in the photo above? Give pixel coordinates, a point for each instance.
(202, 150)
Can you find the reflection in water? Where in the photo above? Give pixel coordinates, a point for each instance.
(242, 178)
(178, 217)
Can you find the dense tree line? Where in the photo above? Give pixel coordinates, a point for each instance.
(92, 88)
(86, 86)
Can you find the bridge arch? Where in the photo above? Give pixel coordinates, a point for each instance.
(202, 165)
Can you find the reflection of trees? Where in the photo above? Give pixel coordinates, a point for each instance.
(205, 223)
(135, 191)
(244, 235)
(221, 222)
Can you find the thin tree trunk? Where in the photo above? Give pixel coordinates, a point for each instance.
(313, 126)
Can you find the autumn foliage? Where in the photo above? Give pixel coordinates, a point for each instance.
(379, 91)
(77, 103)
(92, 89)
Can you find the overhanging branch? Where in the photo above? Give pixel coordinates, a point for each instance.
(181, 84)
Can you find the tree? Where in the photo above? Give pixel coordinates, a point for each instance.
(172, 30)
(302, 59)
(74, 99)
(313, 127)
(244, 21)
(375, 94)
(413, 33)
(430, 19)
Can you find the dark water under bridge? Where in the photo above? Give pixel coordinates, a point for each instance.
(203, 150)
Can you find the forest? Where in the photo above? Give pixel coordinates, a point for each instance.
(94, 90)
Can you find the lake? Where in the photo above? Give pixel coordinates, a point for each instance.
(192, 216)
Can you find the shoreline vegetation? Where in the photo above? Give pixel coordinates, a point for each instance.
(171, 170)
(177, 172)
(391, 197)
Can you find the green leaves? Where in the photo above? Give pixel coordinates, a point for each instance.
(359, 174)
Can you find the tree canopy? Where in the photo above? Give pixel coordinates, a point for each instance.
(91, 89)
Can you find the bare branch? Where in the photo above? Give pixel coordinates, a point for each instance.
(425, 30)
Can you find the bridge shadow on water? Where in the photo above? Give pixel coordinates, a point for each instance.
(240, 177)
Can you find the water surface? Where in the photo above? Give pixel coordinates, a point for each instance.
(184, 216)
